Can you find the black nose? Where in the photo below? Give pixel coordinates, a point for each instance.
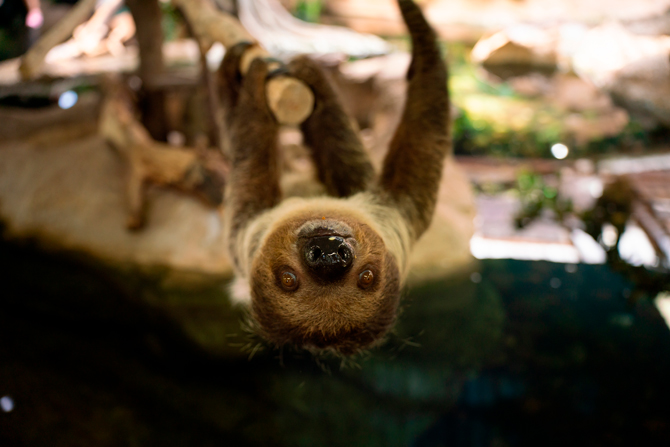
(328, 256)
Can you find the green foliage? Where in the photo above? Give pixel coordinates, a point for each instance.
(480, 137)
(308, 10)
(171, 21)
(535, 196)
(493, 120)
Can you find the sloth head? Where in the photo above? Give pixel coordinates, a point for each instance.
(324, 283)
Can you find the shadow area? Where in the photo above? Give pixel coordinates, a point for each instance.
(515, 353)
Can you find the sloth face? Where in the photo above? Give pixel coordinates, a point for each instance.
(324, 283)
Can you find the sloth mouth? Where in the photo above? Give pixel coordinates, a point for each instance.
(316, 228)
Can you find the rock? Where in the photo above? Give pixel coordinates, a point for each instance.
(655, 24)
(70, 195)
(467, 21)
(584, 128)
(634, 69)
(593, 115)
(612, 64)
(643, 88)
(522, 46)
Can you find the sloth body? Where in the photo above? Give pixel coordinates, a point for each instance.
(326, 272)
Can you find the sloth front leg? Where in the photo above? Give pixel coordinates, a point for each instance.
(342, 163)
(413, 165)
(254, 176)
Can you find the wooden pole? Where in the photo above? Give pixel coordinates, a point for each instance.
(290, 100)
(149, 32)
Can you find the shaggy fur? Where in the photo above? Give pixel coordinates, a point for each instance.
(377, 217)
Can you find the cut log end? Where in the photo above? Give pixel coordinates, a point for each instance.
(249, 55)
(290, 100)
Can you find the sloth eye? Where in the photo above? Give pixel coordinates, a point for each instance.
(365, 279)
(289, 281)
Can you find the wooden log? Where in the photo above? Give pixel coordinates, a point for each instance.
(32, 61)
(290, 100)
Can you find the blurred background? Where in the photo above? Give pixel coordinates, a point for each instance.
(538, 303)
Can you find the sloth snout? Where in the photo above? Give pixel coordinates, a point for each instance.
(328, 256)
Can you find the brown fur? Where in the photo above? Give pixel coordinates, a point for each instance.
(377, 219)
(321, 314)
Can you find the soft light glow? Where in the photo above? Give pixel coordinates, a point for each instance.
(176, 138)
(135, 83)
(609, 235)
(476, 277)
(560, 151)
(596, 188)
(635, 247)
(590, 251)
(215, 56)
(662, 303)
(67, 99)
(485, 248)
(7, 404)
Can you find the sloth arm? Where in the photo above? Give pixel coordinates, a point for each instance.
(253, 184)
(413, 166)
(341, 160)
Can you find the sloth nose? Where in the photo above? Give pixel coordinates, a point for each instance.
(328, 256)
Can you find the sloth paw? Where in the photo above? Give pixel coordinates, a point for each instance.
(308, 71)
(230, 78)
(254, 82)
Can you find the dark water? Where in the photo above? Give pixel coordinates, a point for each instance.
(533, 354)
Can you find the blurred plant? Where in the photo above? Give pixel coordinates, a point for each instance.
(308, 10)
(487, 138)
(171, 21)
(493, 120)
(536, 196)
(614, 209)
(605, 222)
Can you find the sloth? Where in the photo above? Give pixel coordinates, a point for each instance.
(325, 273)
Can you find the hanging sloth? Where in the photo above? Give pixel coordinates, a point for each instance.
(325, 273)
